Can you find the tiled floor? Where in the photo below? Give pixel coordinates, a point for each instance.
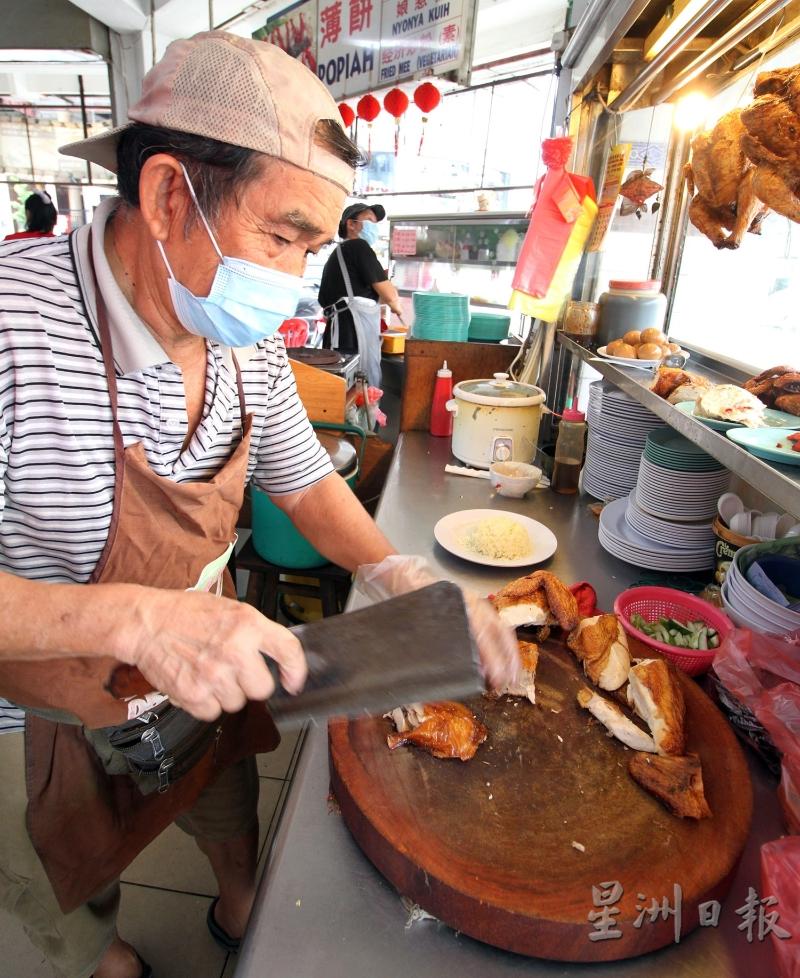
(166, 893)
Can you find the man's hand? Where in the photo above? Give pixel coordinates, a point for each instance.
(205, 652)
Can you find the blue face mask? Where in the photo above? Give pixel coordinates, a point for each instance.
(247, 302)
(369, 232)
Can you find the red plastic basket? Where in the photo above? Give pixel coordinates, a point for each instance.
(665, 602)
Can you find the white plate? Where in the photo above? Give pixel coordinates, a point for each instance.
(449, 530)
(640, 364)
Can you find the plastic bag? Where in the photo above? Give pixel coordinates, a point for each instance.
(780, 878)
(763, 673)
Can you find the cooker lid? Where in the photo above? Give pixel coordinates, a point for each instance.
(499, 390)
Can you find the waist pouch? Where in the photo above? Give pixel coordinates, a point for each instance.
(162, 745)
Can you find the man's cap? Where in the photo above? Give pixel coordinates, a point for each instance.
(237, 91)
(353, 210)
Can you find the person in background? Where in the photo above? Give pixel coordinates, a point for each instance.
(353, 285)
(40, 217)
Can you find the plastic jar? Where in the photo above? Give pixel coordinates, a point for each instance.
(630, 305)
(570, 446)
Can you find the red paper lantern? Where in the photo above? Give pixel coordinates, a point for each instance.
(347, 114)
(396, 103)
(368, 108)
(426, 98)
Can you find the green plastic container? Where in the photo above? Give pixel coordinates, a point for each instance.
(274, 535)
(488, 326)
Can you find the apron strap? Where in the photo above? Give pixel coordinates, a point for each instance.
(240, 390)
(119, 443)
(345, 274)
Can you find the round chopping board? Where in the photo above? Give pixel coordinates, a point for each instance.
(486, 845)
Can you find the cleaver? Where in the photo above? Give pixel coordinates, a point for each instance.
(416, 647)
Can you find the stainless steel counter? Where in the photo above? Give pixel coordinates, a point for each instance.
(323, 911)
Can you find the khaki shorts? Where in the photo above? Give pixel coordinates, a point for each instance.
(75, 943)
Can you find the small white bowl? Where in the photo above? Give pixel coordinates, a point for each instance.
(513, 479)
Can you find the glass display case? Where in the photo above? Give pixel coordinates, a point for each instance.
(473, 254)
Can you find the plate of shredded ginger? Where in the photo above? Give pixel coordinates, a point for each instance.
(494, 538)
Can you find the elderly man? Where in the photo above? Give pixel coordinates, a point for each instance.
(128, 429)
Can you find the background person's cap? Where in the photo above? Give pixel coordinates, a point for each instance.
(353, 210)
(242, 92)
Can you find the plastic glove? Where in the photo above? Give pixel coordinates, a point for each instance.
(496, 642)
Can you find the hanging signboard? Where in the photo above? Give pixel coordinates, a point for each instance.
(607, 201)
(356, 46)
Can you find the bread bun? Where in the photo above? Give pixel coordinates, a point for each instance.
(612, 347)
(674, 347)
(665, 350)
(633, 337)
(649, 351)
(653, 335)
(626, 350)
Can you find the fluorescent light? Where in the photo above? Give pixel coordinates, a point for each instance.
(677, 17)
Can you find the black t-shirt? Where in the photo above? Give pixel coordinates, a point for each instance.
(364, 270)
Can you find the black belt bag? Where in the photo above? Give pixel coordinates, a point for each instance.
(164, 744)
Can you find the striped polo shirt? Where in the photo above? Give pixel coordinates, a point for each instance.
(56, 439)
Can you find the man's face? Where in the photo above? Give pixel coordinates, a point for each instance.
(280, 219)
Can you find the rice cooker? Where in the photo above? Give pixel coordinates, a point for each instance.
(495, 420)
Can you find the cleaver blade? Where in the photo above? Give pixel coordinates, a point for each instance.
(414, 648)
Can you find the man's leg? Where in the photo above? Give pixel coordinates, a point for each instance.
(224, 823)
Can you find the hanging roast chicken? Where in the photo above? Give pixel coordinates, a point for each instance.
(749, 163)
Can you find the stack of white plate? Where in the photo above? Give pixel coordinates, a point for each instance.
(618, 430)
(749, 608)
(675, 534)
(619, 538)
(685, 497)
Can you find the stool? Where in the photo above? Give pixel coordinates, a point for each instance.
(265, 584)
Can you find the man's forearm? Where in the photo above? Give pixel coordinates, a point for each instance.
(332, 519)
(47, 621)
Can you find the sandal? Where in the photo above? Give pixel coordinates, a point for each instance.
(221, 937)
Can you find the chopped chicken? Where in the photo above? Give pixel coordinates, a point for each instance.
(445, 730)
(687, 392)
(615, 721)
(655, 694)
(778, 387)
(525, 684)
(675, 781)
(601, 644)
(727, 402)
(406, 717)
(538, 599)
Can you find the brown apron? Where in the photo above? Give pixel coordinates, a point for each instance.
(88, 825)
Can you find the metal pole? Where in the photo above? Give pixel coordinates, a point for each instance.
(84, 123)
(584, 31)
(30, 146)
(153, 30)
(211, 15)
(670, 51)
(749, 23)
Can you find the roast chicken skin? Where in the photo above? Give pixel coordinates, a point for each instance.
(447, 730)
(677, 782)
(540, 592)
(778, 387)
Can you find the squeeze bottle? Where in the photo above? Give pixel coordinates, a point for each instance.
(569, 451)
(441, 418)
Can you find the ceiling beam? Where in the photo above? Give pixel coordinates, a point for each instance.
(123, 16)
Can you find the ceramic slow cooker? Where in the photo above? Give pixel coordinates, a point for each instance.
(495, 420)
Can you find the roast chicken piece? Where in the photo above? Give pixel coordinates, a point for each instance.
(445, 730)
(615, 721)
(725, 204)
(675, 781)
(539, 599)
(674, 384)
(526, 677)
(601, 644)
(778, 387)
(655, 693)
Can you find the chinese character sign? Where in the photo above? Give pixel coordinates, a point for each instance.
(356, 46)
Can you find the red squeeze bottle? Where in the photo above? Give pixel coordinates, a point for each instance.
(441, 418)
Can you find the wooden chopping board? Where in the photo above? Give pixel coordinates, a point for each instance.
(486, 846)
